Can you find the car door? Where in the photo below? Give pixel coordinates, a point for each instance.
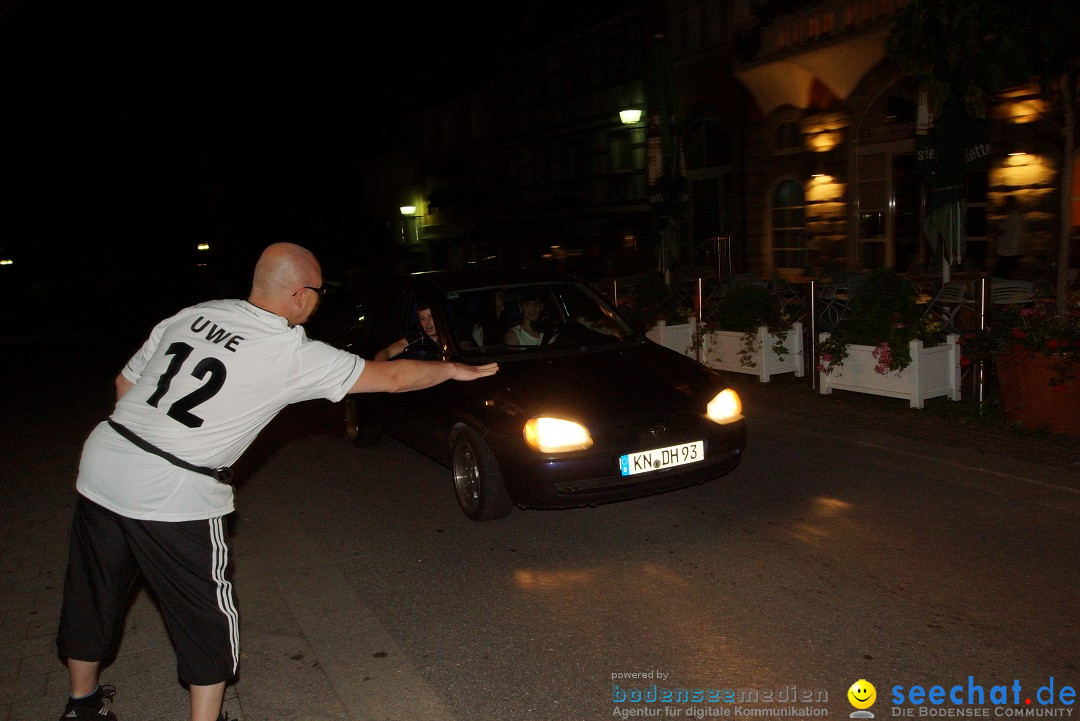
(417, 418)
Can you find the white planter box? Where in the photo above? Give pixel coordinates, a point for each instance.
(676, 337)
(933, 372)
(720, 349)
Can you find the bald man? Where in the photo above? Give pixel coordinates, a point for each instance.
(153, 479)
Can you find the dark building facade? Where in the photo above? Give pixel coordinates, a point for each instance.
(775, 141)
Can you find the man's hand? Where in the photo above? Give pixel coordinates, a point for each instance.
(464, 372)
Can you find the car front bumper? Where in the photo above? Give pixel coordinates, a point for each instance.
(592, 477)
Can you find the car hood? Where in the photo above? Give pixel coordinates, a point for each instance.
(633, 384)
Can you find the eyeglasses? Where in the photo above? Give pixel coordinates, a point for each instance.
(321, 290)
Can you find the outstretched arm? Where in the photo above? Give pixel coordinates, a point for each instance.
(408, 375)
(391, 351)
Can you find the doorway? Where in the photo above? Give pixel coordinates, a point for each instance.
(888, 219)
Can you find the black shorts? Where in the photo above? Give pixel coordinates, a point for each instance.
(185, 563)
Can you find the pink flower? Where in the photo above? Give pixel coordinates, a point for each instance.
(883, 354)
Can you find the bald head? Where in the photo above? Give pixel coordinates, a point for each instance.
(282, 270)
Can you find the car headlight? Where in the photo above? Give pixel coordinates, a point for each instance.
(725, 407)
(555, 435)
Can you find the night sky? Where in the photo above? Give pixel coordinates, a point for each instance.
(130, 131)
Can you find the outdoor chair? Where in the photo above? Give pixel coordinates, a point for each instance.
(623, 290)
(831, 301)
(787, 297)
(946, 306)
(1011, 292)
(1044, 291)
(713, 290)
(841, 306)
(744, 280)
(1015, 293)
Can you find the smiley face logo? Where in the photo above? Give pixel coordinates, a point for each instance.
(862, 694)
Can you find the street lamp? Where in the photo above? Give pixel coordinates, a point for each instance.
(630, 116)
(410, 225)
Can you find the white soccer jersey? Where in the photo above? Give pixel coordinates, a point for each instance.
(206, 381)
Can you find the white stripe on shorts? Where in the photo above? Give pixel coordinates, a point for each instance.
(224, 587)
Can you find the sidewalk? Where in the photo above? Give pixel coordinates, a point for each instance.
(289, 646)
(942, 428)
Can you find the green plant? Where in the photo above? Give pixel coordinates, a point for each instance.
(884, 314)
(1034, 330)
(744, 310)
(652, 302)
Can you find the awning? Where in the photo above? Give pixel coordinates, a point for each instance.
(838, 66)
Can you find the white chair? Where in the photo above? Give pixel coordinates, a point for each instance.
(947, 304)
(1011, 292)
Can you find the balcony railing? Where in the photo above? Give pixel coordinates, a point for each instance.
(792, 31)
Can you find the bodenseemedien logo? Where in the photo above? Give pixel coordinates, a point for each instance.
(862, 696)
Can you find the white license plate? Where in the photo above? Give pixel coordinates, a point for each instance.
(660, 458)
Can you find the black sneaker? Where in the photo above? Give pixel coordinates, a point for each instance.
(91, 708)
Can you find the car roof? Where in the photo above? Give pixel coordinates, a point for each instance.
(449, 280)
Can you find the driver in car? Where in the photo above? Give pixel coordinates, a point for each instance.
(528, 331)
(425, 342)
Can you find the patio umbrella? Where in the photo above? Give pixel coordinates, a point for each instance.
(953, 146)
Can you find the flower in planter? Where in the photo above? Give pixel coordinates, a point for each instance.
(1038, 330)
(744, 310)
(653, 302)
(884, 314)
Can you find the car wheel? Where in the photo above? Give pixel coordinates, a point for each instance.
(358, 431)
(478, 482)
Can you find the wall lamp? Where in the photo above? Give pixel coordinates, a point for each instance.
(630, 116)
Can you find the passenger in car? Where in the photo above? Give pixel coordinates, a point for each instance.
(527, 332)
(424, 343)
(491, 327)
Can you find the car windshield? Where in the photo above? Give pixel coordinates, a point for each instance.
(531, 318)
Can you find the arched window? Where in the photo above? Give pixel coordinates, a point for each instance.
(788, 212)
(787, 137)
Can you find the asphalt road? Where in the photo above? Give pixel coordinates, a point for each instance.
(817, 563)
(825, 558)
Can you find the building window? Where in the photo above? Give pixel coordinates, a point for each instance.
(788, 225)
(787, 138)
(706, 145)
(627, 148)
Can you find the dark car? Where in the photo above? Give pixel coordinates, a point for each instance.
(584, 409)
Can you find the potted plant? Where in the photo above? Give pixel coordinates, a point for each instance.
(1035, 353)
(886, 347)
(653, 308)
(749, 332)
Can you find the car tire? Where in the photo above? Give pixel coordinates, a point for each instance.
(478, 482)
(358, 431)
